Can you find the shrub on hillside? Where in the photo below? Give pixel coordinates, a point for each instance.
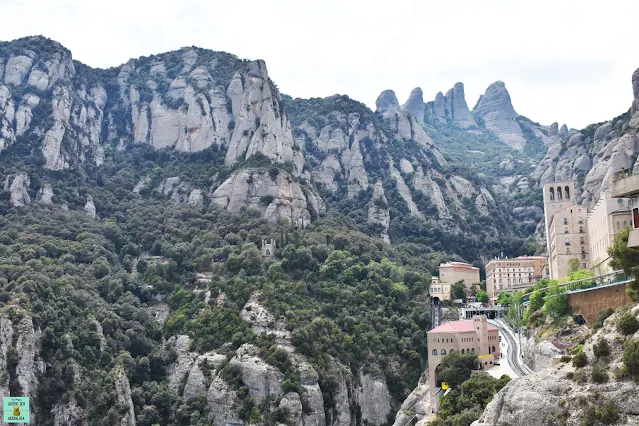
(599, 373)
(603, 315)
(579, 360)
(606, 413)
(627, 324)
(601, 348)
(631, 357)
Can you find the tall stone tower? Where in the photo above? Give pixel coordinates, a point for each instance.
(565, 227)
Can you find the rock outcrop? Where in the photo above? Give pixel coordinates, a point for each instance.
(123, 394)
(378, 213)
(20, 336)
(18, 186)
(496, 109)
(274, 196)
(415, 104)
(373, 399)
(417, 406)
(457, 109)
(554, 393)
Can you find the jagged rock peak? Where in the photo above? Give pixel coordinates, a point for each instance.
(457, 107)
(497, 110)
(554, 129)
(564, 132)
(415, 103)
(635, 92)
(387, 100)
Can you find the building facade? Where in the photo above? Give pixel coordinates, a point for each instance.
(626, 185)
(514, 274)
(453, 272)
(609, 216)
(566, 228)
(474, 336)
(439, 290)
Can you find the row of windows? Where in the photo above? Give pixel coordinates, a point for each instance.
(468, 339)
(451, 340)
(559, 193)
(491, 350)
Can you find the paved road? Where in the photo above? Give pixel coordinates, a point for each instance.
(514, 350)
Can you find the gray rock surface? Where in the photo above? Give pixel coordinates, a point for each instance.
(551, 393)
(16, 69)
(373, 399)
(564, 132)
(378, 213)
(496, 108)
(123, 392)
(18, 189)
(262, 379)
(45, 194)
(457, 108)
(415, 104)
(275, 198)
(417, 407)
(89, 207)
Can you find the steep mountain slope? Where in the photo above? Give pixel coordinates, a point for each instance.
(602, 392)
(281, 156)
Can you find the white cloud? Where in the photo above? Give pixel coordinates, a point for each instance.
(568, 61)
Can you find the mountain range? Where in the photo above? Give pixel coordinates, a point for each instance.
(185, 161)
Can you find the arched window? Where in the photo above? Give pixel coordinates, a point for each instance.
(434, 351)
(451, 351)
(472, 350)
(552, 194)
(489, 352)
(567, 193)
(443, 352)
(559, 197)
(463, 352)
(493, 349)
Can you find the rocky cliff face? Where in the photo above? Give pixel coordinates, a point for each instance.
(553, 395)
(594, 154)
(496, 109)
(367, 394)
(19, 361)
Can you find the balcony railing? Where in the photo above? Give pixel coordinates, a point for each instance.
(625, 173)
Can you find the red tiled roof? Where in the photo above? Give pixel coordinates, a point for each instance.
(463, 326)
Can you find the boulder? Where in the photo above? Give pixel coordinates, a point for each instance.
(16, 69)
(262, 379)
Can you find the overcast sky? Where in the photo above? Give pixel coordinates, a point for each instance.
(566, 61)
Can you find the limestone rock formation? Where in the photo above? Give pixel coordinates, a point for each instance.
(496, 108)
(415, 104)
(373, 399)
(18, 188)
(564, 132)
(552, 393)
(378, 213)
(417, 406)
(89, 207)
(275, 196)
(123, 392)
(45, 194)
(457, 108)
(21, 336)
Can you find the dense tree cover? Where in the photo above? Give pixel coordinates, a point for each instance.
(470, 392)
(341, 294)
